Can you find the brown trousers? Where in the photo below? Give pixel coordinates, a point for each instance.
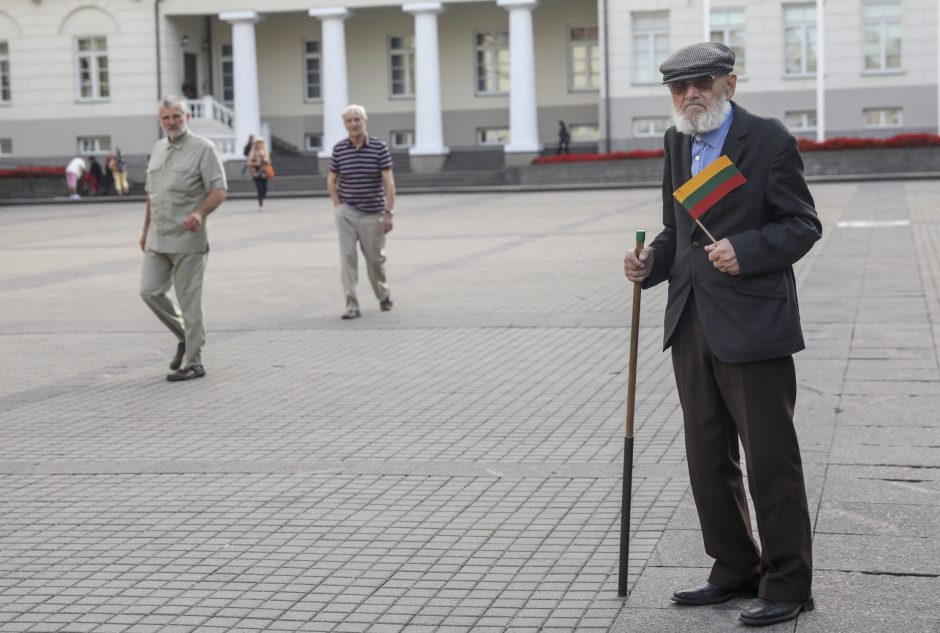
(754, 401)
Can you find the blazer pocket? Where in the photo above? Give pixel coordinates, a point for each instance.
(767, 286)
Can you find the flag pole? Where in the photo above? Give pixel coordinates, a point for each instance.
(710, 236)
(626, 500)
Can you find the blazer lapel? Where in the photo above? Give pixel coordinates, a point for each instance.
(686, 152)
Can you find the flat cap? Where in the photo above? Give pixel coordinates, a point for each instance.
(697, 60)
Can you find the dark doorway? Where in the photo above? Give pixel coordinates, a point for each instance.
(190, 74)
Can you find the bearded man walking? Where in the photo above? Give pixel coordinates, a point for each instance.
(185, 183)
(732, 323)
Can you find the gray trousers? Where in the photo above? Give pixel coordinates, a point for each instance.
(184, 272)
(366, 229)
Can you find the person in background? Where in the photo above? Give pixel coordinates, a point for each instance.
(119, 172)
(564, 139)
(73, 174)
(94, 176)
(362, 189)
(258, 162)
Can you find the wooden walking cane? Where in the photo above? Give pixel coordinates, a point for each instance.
(628, 437)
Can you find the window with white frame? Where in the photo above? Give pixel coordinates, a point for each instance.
(882, 48)
(727, 27)
(584, 60)
(876, 118)
(650, 126)
(800, 120)
(584, 132)
(4, 73)
(6, 146)
(401, 65)
(492, 62)
(313, 141)
(92, 66)
(650, 45)
(401, 138)
(311, 70)
(228, 73)
(492, 135)
(799, 25)
(94, 144)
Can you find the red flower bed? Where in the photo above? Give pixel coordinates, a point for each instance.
(901, 140)
(32, 172)
(579, 158)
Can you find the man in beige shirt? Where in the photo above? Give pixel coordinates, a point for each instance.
(185, 183)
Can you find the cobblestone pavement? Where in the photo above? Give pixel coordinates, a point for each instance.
(453, 465)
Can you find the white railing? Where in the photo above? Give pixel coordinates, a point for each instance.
(208, 108)
(226, 145)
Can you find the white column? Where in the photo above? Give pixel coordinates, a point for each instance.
(245, 62)
(707, 19)
(523, 113)
(429, 124)
(334, 86)
(820, 71)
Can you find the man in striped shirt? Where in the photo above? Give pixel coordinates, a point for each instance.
(362, 188)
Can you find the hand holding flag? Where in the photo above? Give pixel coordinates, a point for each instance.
(711, 184)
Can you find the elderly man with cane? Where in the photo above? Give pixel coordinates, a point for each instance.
(732, 323)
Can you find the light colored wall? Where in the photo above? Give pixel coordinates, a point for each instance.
(46, 116)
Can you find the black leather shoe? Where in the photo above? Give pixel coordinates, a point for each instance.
(711, 594)
(178, 359)
(187, 373)
(765, 611)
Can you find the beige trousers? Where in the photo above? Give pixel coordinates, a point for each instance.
(366, 229)
(183, 271)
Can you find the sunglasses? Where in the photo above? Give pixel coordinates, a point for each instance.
(702, 84)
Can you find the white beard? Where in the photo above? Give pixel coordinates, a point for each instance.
(709, 120)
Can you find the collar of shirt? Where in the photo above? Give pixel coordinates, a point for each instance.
(706, 148)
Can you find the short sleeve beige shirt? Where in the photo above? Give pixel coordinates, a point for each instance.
(180, 176)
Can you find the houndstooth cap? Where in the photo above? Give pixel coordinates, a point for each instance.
(697, 60)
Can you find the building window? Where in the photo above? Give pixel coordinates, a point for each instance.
(94, 144)
(228, 74)
(312, 69)
(492, 135)
(727, 27)
(877, 118)
(800, 121)
(584, 133)
(492, 62)
(401, 65)
(6, 146)
(650, 126)
(313, 141)
(800, 38)
(4, 73)
(584, 60)
(650, 45)
(92, 55)
(882, 35)
(402, 138)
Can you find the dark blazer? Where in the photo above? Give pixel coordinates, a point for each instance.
(771, 223)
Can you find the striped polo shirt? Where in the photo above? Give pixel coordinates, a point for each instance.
(360, 173)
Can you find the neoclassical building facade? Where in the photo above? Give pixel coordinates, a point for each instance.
(84, 76)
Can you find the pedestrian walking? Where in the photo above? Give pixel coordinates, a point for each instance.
(119, 172)
(185, 183)
(259, 166)
(732, 323)
(362, 189)
(564, 139)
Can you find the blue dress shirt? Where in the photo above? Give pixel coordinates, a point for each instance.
(706, 148)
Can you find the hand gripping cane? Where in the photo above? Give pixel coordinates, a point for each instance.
(628, 437)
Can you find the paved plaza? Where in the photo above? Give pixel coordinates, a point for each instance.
(453, 465)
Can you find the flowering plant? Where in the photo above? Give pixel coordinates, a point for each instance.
(578, 158)
(32, 171)
(842, 142)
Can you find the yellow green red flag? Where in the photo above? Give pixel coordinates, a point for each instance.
(711, 184)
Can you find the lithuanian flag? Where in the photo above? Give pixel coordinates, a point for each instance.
(711, 185)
